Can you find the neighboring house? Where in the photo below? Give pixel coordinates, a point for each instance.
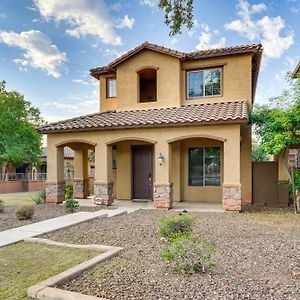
(172, 127)
(68, 163)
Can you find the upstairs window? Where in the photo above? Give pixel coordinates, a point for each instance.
(111, 87)
(204, 83)
(147, 79)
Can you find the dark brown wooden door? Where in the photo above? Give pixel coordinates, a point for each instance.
(142, 167)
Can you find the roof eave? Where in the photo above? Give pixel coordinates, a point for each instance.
(202, 123)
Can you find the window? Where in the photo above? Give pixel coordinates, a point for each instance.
(204, 83)
(111, 87)
(147, 78)
(204, 166)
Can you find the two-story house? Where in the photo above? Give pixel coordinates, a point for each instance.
(172, 127)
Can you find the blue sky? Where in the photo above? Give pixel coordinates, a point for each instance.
(47, 47)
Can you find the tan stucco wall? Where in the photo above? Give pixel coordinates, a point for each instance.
(168, 81)
(171, 81)
(233, 163)
(236, 78)
(196, 193)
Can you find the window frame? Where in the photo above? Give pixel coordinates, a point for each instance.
(204, 167)
(108, 79)
(203, 70)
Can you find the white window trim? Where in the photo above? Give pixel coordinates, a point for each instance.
(203, 70)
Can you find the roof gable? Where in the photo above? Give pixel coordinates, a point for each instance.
(255, 49)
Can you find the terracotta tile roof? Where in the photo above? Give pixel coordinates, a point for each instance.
(254, 48)
(196, 114)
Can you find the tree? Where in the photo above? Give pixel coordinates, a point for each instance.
(258, 153)
(19, 140)
(177, 14)
(278, 127)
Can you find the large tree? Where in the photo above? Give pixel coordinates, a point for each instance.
(278, 127)
(19, 140)
(178, 13)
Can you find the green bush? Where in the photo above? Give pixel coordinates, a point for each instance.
(188, 254)
(1, 206)
(25, 212)
(71, 205)
(40, 197)
(69, 191)
(176, 224)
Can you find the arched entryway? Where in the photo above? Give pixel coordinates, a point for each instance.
(196, 168)
(133, 168)
(78, 171)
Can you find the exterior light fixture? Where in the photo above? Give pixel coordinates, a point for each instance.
(160, 159)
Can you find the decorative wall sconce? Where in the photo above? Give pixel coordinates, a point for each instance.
(160, 159)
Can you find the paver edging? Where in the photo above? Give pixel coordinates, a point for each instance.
(46, 289)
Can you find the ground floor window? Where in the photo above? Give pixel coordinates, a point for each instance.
(204, 166)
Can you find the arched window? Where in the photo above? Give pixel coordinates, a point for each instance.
(147, 85)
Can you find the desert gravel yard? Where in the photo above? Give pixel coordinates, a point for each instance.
(42, 212)
(257, 255)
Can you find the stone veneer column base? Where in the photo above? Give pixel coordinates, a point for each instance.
(232, 197)
(163, 195)
(80, 188)
(55, 192)
(104, 190)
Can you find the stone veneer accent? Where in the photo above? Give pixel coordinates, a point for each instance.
(232, 197)
(80, 188)
(104, 190)
(163, 195)
(55, 192)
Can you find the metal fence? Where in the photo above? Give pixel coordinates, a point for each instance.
(35, 176)
(23, 176)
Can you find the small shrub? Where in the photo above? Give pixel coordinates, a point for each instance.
(1, 206)
(188, 254)
(40, 197)
(71, 205)
(176, 224)
(25, 212)
(69, 191)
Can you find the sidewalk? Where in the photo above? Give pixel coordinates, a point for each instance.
(20, 233)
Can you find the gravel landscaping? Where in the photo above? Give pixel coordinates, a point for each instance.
(42, 212)
(256, 257)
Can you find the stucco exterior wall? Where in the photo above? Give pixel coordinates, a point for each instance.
(168, 81)
(236, 81)
(196, 193)
(174, 168)
(236, 78)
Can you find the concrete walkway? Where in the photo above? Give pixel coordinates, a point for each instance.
(20, 233)
(177, 206)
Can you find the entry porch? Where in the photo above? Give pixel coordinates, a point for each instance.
(164, 165)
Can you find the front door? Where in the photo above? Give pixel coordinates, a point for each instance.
(142, 169)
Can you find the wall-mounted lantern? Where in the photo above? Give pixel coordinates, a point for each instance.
(160, 159)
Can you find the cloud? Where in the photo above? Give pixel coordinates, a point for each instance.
(38, 51)
(114, 53)
(126, 22)
(81, 107)
(206, 39)
(85, 82)
(84, 17)
(150, 3)
(266, 30)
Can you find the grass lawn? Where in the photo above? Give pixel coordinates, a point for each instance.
(25, 264)
(18, 198)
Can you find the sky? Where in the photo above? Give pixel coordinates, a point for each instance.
(47, 47)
